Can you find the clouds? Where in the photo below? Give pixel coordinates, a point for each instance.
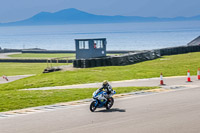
(12, 10)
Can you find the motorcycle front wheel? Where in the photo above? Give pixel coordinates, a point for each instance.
(92, 106)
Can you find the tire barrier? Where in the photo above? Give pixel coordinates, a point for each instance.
(122, 60)
(132, 58)
(179, 50)
(75, 63)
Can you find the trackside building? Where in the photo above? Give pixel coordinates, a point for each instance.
(90, 48)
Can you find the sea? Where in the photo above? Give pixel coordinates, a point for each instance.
(120, 36)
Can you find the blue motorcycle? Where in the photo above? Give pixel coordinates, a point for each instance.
(100, 101)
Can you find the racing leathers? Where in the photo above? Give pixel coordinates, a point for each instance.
(107, 88)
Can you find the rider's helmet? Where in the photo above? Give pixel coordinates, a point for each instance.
(105, 82)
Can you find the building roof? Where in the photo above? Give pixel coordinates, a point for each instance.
(196, 41)
(90, 39)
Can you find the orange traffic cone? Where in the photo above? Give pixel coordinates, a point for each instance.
(188, 76)
(161, 79)
(198, 74)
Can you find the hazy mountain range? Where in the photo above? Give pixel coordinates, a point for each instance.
(74, 16)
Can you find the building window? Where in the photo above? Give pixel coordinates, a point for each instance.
(98, 44)
(83, 44)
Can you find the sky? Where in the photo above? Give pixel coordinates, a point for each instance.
(14, 10)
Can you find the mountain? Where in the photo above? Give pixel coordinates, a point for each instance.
(74, 16)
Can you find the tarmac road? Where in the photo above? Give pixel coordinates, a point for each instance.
(13, 78)
(169, 81)
(5, 55)
(168, 112)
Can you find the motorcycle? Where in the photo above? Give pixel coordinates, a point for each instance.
(100, 101)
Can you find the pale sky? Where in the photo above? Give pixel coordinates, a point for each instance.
(13, 10)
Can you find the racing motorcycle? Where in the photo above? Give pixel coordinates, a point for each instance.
(100, 101)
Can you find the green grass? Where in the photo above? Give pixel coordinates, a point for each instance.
(45, 55)
(12, 98)
(19, 99)
(41, 56)
(23, 68)
(169, 65)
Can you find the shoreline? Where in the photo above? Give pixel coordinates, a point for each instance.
(61, 51)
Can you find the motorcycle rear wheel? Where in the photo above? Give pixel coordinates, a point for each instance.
(92, 106)
(109, 103)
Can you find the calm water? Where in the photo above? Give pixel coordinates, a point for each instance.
(126, 36)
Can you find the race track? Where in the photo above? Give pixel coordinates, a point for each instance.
(166, 112)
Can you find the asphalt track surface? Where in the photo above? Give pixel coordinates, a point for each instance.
(13, 78)
(176, 111)
(5, 55)
(169, 81)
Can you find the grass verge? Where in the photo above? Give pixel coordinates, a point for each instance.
(41, 56)
(45, 55)
(24, 68)
(175, 65)
(19, 99)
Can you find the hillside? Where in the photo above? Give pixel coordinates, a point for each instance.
(74, 16)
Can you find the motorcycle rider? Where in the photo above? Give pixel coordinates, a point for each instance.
(103, 97)
(107, 88)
